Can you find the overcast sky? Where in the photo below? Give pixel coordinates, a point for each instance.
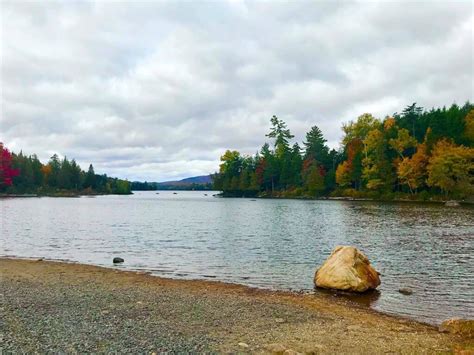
(158, 91)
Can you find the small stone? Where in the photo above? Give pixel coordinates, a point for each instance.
(280, 320)
(276, 348)
(452, 203)
(243, 345)
(40, 259)
(118, 260)
(406, 291)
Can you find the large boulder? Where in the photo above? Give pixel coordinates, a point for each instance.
(347, 269)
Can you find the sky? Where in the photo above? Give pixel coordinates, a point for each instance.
(158, 91)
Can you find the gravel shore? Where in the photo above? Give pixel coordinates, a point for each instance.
(60, 307)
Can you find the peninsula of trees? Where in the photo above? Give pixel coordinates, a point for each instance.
(415, 154)
(21, 174)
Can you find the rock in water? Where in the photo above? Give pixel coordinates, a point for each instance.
(347, 269)
(406, 291)
(452, 203)
(118, 260)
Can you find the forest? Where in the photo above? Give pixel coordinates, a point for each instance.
(22, 174)
(416, 154)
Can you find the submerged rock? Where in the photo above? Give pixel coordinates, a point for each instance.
(406, 291)
(458, 326)
(347, 269)
(118, 260)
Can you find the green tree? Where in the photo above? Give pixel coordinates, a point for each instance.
(90, 178)
(282, 136)
(55, 168)
(314, 180)
(316, 148)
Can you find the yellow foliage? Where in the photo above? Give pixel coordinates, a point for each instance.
(343, 174)
(469, 126)
(451, 168)
(412, 171)
(402, 142)
(389, 123)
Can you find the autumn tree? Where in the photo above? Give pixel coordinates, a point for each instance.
(451, 168)
(469, 127)
(343, 174)
(412, 171)
(402, 142)
(376, 167)
(7, 172)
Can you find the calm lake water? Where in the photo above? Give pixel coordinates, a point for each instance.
(274, 244)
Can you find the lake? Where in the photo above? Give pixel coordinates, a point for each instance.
(269, 243)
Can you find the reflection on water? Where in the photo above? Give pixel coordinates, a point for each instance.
(367, 299)
(265, 243)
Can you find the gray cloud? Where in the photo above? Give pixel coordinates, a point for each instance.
(158, 91)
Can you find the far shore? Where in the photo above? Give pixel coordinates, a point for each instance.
(306, 198)
(347, 198)
(58, 194)
(69, 307)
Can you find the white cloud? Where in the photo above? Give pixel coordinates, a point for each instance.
(158, 91)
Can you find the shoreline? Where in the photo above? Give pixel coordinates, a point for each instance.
(224, 314)
(352, 199)
(327, 294)
(57, 195)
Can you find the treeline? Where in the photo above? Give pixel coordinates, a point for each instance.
(57, 177)
(153, 186)
(416, 154)
(144, 186)
(186, 187)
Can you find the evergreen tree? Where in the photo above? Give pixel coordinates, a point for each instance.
(316, 148)
(90, 178)
(282, 136)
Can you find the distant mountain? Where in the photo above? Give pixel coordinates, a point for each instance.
(203, 179)
(202, 182)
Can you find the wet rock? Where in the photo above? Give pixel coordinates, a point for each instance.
(406, 291)
(452, 203)
(464, 327)
(276, 348)
(347, 269)
(118, 260)
(243, 345)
